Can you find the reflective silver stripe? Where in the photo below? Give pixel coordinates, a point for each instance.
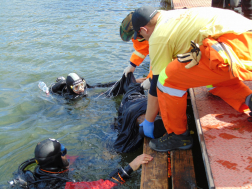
(232, 55)
(124, 172)
(139, 54)
(170, 91)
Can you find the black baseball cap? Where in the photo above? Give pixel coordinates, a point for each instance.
(141, 17)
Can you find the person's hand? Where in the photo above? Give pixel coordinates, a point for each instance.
(148, 128)
(141, 80)
(139, 160)
(130, 68)
(146, 84)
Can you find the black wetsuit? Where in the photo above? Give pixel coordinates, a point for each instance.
(58, 180)
(117, 177)
(60, 88)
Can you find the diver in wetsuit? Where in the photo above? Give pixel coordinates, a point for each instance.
(53, 167)
(73, 86)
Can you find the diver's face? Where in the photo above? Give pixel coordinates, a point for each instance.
(65, 162)
(81, 91)
(79, 88)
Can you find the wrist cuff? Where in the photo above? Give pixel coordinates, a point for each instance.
(148, 122)
(153, 87)
(132, 64)
(124, 174)
(128, 169)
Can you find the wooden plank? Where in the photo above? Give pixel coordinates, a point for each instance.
(180, 166)
(154, 174)
(202, 142)
(182, 170)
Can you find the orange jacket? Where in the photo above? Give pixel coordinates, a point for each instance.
(141, 51)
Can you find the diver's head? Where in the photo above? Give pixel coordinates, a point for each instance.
(50, 155)
(75, 84)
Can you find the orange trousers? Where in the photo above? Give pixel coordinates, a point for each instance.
(211, 70)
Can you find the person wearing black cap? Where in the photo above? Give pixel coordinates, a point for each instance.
(141, 47)
(201, 46)
(53, 167)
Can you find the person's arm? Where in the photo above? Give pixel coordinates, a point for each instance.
(152, 110)
(58, 86)
(141, 51)
(117, 176)
(121, 175)
(140, 80)
(139, 160)
(137, 57)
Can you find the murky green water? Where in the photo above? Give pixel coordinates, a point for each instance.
(41, 40)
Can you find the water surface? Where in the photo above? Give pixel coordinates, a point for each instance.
(42, 40)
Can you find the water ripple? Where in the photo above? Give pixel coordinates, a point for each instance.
(42, 40)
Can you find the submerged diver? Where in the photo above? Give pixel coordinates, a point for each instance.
(73, 86)
(53, 168)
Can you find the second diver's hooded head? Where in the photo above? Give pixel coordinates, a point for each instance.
(75, 84)
(49, 155)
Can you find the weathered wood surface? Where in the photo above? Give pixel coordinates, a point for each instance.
(182, 169)
(154, 174)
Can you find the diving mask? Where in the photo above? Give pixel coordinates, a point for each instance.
(63, 150)
(79, 87)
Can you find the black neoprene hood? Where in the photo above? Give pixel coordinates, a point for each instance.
(48, 154)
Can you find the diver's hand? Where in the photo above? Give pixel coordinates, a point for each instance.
(146, 84)
(130, 68)
(139, 160)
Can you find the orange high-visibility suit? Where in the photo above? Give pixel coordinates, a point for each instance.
(215, 68)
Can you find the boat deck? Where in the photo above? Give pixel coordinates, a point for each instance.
(180, 4)
(226, 140)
